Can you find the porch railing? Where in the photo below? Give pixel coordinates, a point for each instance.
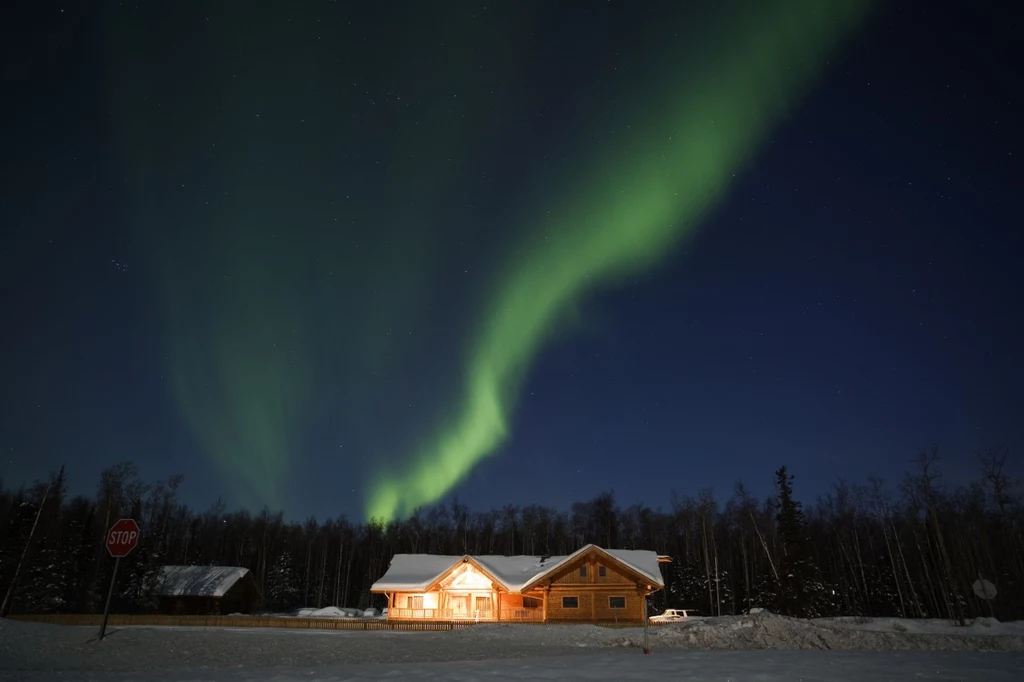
(420, 614)
(514, 615)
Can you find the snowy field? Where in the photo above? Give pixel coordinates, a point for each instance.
(762, 647)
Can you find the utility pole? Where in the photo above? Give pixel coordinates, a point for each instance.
(24, 551)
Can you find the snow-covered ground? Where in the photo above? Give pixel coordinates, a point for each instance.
(783, 666)
(762, 647)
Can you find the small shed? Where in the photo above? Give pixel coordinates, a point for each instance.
(207, 590)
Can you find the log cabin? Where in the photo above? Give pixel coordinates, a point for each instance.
(590, 585)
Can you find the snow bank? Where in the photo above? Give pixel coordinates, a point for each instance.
(326, 612)
(926, 626)
(329, 612)
(765, 630)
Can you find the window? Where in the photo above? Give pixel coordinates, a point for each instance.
(602, 571)
(415, 602)
(570, 602)
(531, 603)
(583, 571)
(616, 602)
(483, 603)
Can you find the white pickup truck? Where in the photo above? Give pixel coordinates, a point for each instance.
(670, 616)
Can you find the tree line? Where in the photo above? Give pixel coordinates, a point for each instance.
(860, 549)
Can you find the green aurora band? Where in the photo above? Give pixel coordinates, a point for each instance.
(638, 200)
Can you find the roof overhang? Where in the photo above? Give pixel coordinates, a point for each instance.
(434, 583)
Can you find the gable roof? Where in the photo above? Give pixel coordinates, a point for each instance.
(643, 562)
(418, 572)
(199, 581)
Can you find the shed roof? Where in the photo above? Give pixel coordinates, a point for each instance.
(416, 572)
(199, 581)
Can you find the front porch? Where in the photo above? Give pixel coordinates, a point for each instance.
(512, 615)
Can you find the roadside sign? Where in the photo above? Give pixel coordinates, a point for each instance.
(983, 589)
(122, 538)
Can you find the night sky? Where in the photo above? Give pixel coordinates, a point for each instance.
(351, 258)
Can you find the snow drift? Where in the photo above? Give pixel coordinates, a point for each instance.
(765, 630)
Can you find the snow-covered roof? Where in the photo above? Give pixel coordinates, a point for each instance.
(416, 572)
(199, 581)
(642, 561)
(515, 571)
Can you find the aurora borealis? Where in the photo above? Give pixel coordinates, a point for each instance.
(635, 201)
(361, 259)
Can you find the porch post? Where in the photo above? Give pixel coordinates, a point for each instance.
(497, 605)
(544, 615)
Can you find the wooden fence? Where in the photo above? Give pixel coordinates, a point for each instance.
(94, 619)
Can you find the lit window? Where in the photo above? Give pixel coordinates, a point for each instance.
(616, 602)
(570, 602)
(416, 602)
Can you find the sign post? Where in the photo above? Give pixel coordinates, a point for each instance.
(122, 538)
(647, 648)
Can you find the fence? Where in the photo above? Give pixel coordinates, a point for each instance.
(93, 619)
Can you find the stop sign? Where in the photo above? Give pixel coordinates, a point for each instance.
(122, 537)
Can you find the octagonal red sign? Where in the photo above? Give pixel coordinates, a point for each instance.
(122, 537)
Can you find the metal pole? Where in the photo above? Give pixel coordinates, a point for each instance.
(647, 649)
(110, 593)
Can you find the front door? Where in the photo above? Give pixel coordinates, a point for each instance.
(460, 606)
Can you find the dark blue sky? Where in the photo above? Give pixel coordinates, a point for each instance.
(850, 301)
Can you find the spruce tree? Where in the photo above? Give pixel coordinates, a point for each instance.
(801, 592)
(282, 584)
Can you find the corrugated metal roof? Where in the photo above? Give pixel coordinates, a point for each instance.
(199, 581)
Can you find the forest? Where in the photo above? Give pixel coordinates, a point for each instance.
(912, 548)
